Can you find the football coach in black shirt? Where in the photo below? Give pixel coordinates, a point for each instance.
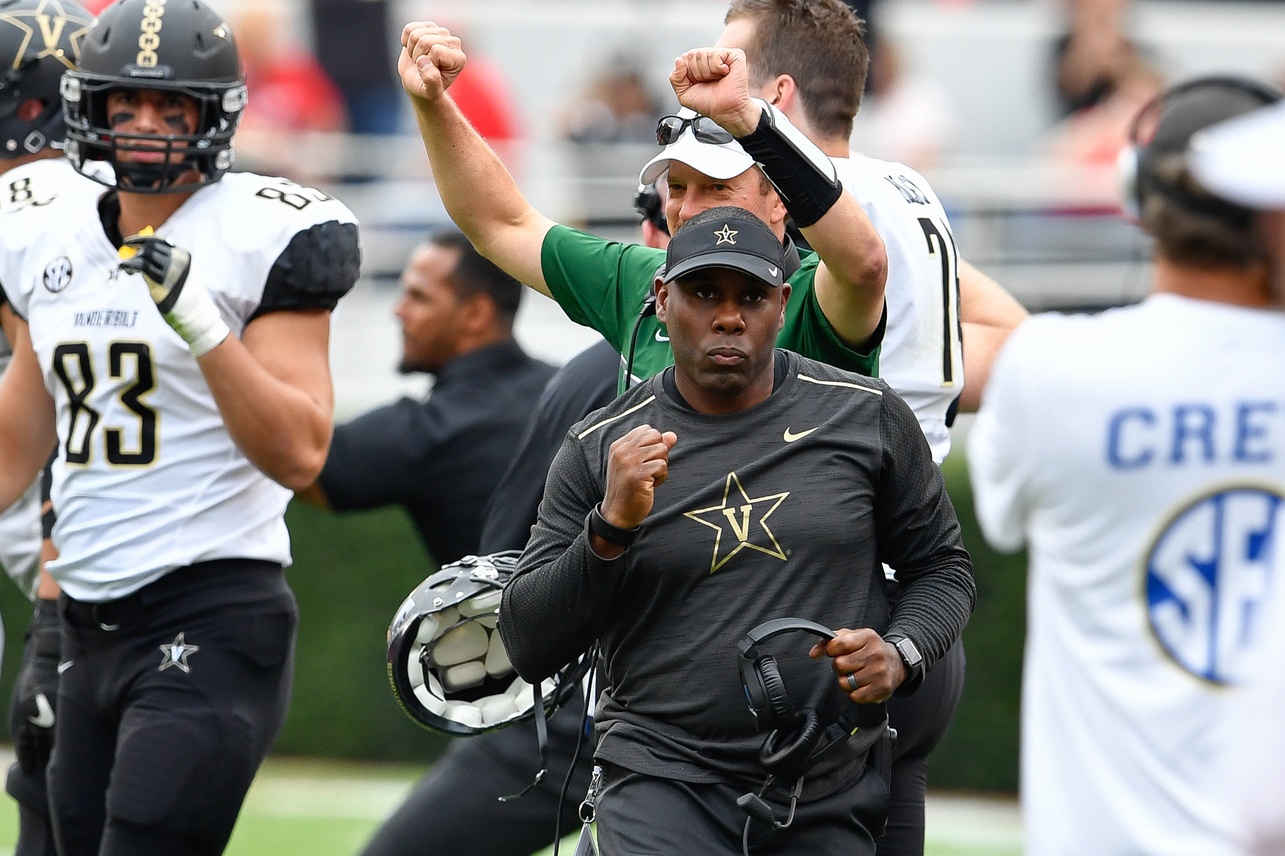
(741, 485)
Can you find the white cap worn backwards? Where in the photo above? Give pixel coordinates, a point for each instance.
(1243, 159)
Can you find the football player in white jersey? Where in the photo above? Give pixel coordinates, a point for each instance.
(39, 40)
(1140, 456)
(809, 59)
(31, 163)
(1243, 160)
(173, 342)
(795, 50)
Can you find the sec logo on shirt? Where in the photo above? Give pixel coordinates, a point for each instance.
(57, 275)
(1207, 576)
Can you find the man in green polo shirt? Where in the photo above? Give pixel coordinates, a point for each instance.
(837, 312)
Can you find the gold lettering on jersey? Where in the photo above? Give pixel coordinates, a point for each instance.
(149, 36)
(744, 519)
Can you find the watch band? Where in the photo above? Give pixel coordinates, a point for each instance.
(608, 531)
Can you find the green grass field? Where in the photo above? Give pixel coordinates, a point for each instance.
(325, 808)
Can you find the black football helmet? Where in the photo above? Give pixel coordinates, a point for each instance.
(172, 45)
(446, 662)
(39, 40)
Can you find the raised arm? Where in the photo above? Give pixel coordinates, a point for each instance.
(989, 314)
(561, 596)
(478, 192)
(854, 265)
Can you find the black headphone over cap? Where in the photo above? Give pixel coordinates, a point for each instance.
(1165, 126)
(796, 739)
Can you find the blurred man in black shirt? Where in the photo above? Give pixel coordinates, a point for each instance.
(441, 457)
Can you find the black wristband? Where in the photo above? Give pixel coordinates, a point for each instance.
(609, 532)
(801, 172)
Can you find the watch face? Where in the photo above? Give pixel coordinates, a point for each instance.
(909, 652)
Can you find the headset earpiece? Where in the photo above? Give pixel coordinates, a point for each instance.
(788, 754)
(1126, 165)
(796, 738)
(1137, 163)
(769, 700)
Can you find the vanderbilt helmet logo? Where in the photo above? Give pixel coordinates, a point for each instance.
(46, 25)
(149, 36)
(743, 519)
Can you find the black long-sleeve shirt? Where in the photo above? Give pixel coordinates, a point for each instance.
(439, 458)
(783, 510)
(585, 383)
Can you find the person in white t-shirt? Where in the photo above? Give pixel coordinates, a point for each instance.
(1243, 160)
(1139, 454)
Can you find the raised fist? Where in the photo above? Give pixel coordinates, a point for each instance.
(430, 61)
(638, 463)
(715, 83)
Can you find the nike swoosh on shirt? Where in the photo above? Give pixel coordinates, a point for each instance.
(790, 436)
(660, 337)
(44, 717)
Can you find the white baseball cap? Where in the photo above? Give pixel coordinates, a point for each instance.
(717, 160)
(1243, 159)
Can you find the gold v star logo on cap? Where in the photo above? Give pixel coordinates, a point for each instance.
(726, 235)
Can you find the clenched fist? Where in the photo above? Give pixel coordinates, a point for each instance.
(430, 61)
(637, 464)
(715, 83)
(185, 306)
(35, 694)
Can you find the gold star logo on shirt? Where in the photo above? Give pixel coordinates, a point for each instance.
(744, 519)
(726, 235)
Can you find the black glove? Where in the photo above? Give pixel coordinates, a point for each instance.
(185, 306)
(31, 711)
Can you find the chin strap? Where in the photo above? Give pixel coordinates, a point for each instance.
(542, 732)
(542, 737)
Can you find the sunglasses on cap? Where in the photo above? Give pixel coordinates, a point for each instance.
(704, 129)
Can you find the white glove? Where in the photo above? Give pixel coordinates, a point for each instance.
(190, 311)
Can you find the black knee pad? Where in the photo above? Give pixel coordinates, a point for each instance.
(186, 771)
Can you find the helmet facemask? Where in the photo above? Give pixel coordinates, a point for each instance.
(208, 152)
